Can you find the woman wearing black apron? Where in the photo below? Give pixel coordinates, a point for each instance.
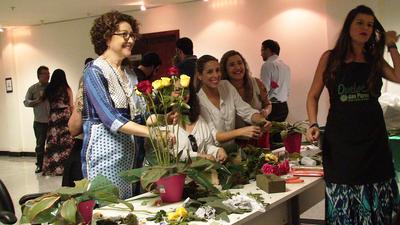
(359, 173)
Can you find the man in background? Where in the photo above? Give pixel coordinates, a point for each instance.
(34, 98)
(275, 74)
(184, 55)
(149, 67)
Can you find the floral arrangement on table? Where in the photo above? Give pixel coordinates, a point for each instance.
(246, 162)
(165, 160)
(216, 207)
(286, 128)
(272, 165)
(63, 205)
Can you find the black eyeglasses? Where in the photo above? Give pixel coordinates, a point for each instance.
(193, 143)
(126, 35)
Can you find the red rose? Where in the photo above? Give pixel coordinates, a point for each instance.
(274, 85)
(144, 87)
(173, 71)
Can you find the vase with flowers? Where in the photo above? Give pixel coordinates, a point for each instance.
(291, 134)
(166, 166)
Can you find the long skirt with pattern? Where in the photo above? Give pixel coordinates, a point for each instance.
(108, 154)
(369, 204)
(59, 142)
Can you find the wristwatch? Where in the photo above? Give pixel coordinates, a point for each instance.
(314, 125)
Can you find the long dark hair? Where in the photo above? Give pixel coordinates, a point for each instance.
(248, 95)
(57, 87)
(373, 49)
(194, 103)
(201, 62)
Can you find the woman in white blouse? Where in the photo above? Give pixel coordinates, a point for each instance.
(220, 103)
(195, 137)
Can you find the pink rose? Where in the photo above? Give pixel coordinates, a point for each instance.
(283, 167)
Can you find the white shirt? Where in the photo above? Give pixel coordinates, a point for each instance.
(201, 133)
(231, 103)
(274, 69)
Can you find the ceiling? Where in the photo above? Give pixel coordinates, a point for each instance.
(36, 12)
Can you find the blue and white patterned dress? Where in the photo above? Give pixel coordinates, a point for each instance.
(107, 100)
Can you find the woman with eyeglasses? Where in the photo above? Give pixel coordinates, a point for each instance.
(195, 136)
(108, 148)
(220, 103)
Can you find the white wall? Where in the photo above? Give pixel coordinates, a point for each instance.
(304, 29)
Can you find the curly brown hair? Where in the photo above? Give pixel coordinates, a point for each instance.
(106, 25)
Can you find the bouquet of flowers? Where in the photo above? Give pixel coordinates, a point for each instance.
(272, 165)
(166, 97)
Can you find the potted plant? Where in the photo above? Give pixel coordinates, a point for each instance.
(71, 205)
(290, 133)
(166, 170)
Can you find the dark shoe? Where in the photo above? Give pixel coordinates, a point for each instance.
(38, 169)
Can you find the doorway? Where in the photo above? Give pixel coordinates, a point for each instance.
(162, 43)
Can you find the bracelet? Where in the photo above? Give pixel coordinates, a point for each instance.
(393, 45)
(314, 125)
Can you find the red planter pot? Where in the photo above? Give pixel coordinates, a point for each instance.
(293, 142)
(263, 140)
(171, 188)
(86, 210)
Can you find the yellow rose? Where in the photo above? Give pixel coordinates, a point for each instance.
(184, 80)
(182, 212)
(157, 84)
(172, 216)
(271, 158)
(166, 81)
(138, 93)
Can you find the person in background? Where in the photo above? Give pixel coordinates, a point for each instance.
(358, 167)
(275, 74)
(34, 98)
(59, 140)
(73, 165)
(196, 135)
(149, 67)
(108, 148)
(220, 103)
(235, 69)
(186, 61)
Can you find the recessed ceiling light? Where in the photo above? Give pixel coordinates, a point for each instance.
(1, 29)
(143, 8)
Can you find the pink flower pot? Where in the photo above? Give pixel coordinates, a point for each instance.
(86, 210)
(171, 188)
(263, 140)
(293, 142)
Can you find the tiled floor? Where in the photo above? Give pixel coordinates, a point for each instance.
(18, 175)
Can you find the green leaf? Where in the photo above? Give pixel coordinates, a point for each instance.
(68, 211)
(70, 191)
(41, 206)
(47, 216)
(84, 183)
(201, 179)
(133, 175)
(127, 204)
(151, 176)
(224, 216)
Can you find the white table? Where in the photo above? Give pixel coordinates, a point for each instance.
(283, 208)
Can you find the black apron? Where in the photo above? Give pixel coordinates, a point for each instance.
(355, 148)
